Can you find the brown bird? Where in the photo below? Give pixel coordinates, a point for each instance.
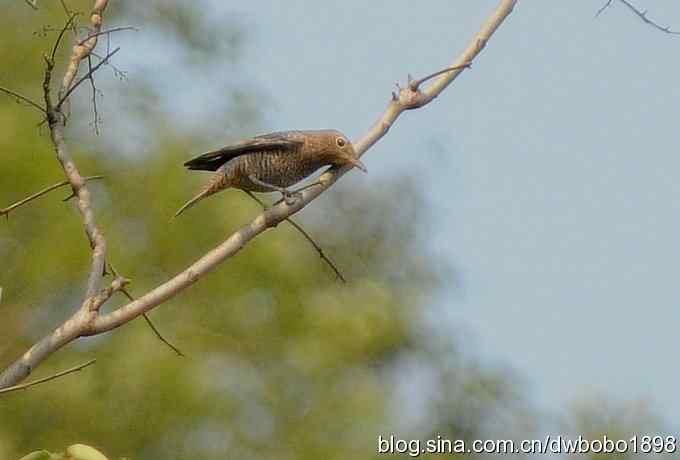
(272, 162)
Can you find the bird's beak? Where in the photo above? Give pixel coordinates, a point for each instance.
(358, 164)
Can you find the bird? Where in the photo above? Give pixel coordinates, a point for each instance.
(272, 162)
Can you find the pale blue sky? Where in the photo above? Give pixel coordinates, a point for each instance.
(551, 166)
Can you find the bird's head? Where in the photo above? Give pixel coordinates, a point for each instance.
(343, 152)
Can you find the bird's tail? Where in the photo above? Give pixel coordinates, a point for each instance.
(215, 185)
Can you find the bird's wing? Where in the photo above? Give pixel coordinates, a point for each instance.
(211, 161)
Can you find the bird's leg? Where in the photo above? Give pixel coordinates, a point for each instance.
(297, 192)
(288, 196)
(305, 187)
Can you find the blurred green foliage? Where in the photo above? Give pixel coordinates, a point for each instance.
(282, 360)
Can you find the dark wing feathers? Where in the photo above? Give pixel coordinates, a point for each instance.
(211, 161)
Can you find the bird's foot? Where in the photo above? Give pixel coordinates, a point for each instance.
(291, 197)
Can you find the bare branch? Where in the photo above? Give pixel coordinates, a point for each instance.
(27, 385)
(160, 337)
(28, 199)
(88, 322)
(63, 30)
(78, 324)
(81, 50)
(107, 32)
(308, 237)
(95, 111)
(604, 7)
(65, 7)
(642, 14)
(25, 99)
(87, 76)
(32, 3)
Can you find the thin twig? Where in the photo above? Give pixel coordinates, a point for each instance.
(150, 323)
(85, 77)
(63, 30)
(121, 74)
(415, 84)
(24, 386)
(23, 98)
(307, 236)
(94, 96)
(107, 32)
(65, 7)
(604, 7)
(12, 207)
(642, 14)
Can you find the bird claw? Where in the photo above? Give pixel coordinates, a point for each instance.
(291, 197)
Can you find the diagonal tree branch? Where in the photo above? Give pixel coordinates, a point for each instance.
(88, 321)
(642, 14)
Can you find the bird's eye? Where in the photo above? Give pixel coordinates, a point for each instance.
(340, 141)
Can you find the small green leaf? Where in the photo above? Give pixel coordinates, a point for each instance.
(83, 452)
(38, 455)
